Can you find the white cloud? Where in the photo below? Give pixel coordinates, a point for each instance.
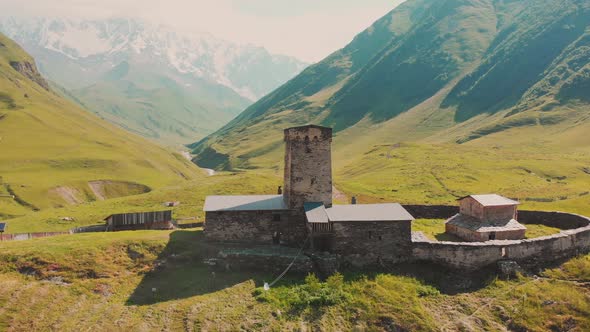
(308, 29)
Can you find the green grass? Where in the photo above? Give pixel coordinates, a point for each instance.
(577, 269)
(48, 143)
(439, 174)
(190, 194)
(106, 281)
(135, 101)
(434, 229)
(534, 231)
(433, 72)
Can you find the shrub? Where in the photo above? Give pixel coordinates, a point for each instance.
(427, 290)
(313, 293)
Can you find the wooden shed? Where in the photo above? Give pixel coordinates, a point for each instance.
(140, 220)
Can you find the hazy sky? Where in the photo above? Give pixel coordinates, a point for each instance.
(307, 29)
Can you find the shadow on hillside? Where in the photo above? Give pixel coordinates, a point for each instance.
(447, 281)
(180, 272)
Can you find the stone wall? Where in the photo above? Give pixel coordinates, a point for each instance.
(257, 227)
(471, 256)
(559, 220)
(379, 240)
(361, 244)
(467, 255)
(553, 219)
(499, 213)
(432, 211)
(471, 207)
(269, 258)
(308, 166)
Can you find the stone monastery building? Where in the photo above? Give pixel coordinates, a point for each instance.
(304, 211)
(486, 217)
(357, 235)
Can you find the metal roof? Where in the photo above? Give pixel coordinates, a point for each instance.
(492, 200)
(244, 203)
(368, 212)
(316, 212)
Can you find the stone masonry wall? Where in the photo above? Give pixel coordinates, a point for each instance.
(552, 219)
(499, 213)
(386, 240)
(471, 256)
(432, 211)
(308, 166)
(469, 206)
(256, 227)
(465, 234)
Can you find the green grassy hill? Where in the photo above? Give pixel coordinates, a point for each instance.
(50, 149)
(452, 71)
(159, 104)
(156, 280)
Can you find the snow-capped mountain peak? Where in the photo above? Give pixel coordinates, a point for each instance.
(250, 71)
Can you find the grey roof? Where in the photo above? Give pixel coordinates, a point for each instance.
(316, 212)
(244, 203)
(473, 224)
(368, 212)
(492, 200)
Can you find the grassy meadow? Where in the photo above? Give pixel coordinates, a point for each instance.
(51, 150)
(550, 179)
(151, 280)
(156, 280)
(190, 194)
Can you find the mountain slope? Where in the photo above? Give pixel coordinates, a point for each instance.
(53, 153)
(451, 70)
(211, 80)
(160, 104)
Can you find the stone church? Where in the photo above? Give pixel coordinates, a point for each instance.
(303, 213)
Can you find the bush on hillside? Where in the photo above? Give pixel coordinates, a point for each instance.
(312, 293)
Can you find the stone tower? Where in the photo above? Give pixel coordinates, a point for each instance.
(308, 166)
